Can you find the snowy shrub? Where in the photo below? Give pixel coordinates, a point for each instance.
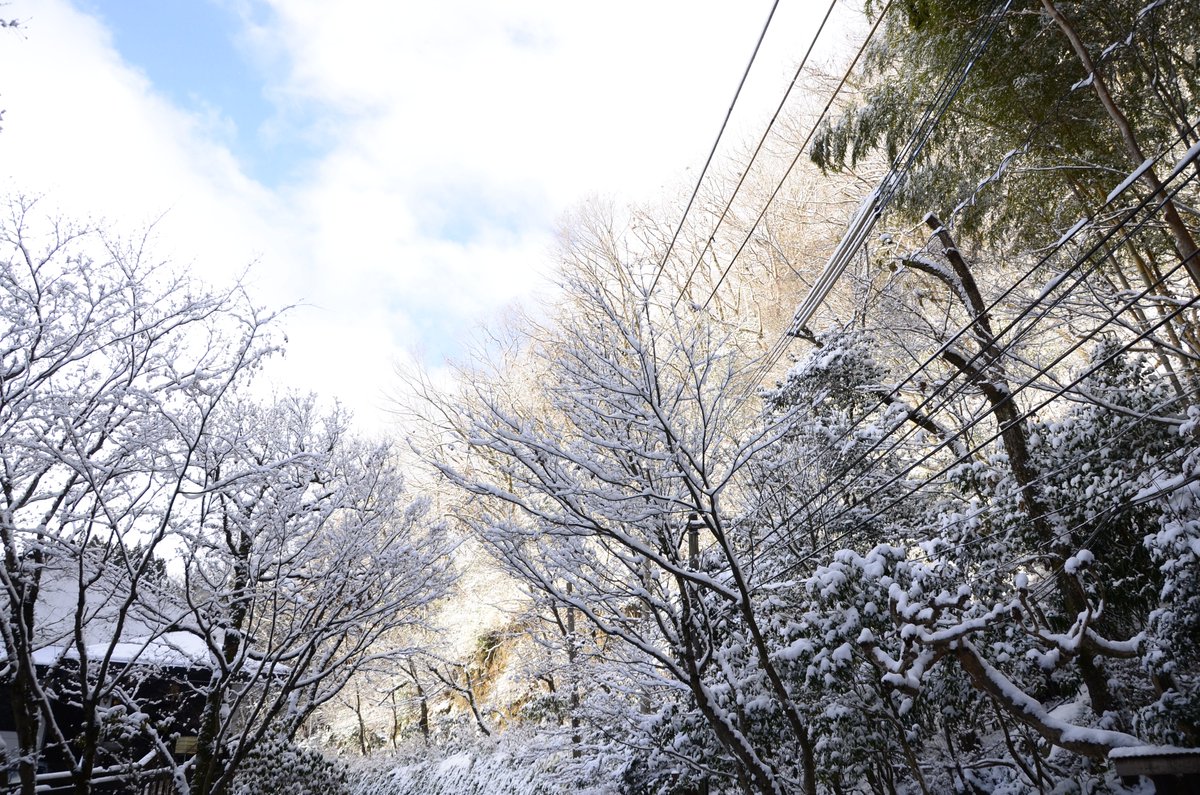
(1097, 458)
(278, 765)
(522, 764)
(1172, 654)
(677, 752)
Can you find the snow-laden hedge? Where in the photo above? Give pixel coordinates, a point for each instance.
(503, 770)
(279, 765)
(460, 774)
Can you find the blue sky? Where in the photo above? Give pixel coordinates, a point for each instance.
(396, 169)
(196, 53)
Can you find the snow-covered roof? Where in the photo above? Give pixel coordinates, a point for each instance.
(1155, 760)
(1133, 751)
(149, 637)
(177, 649)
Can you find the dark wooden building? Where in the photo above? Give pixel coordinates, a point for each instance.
(164, 676)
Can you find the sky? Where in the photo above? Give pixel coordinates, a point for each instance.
(395, 170)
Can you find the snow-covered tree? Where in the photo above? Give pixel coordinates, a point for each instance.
(112, 371)
(592, 486)
(305, 566)
(173, 547)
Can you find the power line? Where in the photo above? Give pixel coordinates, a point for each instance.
(924, 405)
(712, 152)
(757, 149)
(800, 150)
(1192, 155)
(876, 202)
(780, 345)
(963, 386)
(1006, 351)
(987, 411)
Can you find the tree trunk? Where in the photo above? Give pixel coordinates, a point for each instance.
(1185, 244)
(992, 381)
(362, 726)
(22, 585)
(758, 771)
(208, 764)
(572, 654)
(422, 701)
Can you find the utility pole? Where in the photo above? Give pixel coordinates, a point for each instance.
(573, 676)
(694, 525)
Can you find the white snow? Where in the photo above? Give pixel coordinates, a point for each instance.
(1134, 751)
(177, 649)
(1133, 177)
(1185, 161)
(1084, 83)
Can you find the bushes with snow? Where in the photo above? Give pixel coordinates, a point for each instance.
(277, 765)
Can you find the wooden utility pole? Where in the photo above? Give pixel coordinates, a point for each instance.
(573, 674)
(693, 538)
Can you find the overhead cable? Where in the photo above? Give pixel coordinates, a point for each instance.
(700, 180)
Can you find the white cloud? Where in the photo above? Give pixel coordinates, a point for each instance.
(88, 131)
(611, 96)
(454, 133)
